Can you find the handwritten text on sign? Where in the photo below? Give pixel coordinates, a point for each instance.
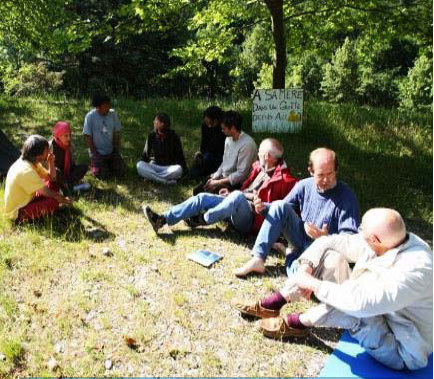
(277, 110)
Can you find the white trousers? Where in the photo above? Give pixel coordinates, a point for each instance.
(159, 174)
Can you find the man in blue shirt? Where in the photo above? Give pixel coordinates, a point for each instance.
(315, 207)
(102, 132)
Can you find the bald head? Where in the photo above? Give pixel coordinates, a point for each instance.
(386, 224)
(323, 165)
(322, 156)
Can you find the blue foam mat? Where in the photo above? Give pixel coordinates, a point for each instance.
(350, 360)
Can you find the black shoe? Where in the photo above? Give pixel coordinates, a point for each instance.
(157, 221)
(195, 221)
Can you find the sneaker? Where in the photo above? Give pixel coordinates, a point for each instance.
(195, 221)
(157, 221)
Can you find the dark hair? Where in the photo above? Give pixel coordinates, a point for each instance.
(213, 112)
(232, 119)
(164, 118)
(33, 146)
(100, 99)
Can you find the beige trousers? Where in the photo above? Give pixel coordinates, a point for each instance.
(372, 333)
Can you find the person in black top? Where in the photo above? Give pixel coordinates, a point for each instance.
(212, 144)
(163, 159)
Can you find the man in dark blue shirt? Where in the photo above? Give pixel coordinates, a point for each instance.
(316, 206)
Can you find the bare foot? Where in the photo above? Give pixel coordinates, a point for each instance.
(254, 265)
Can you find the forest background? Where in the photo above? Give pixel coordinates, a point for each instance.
(375, 52)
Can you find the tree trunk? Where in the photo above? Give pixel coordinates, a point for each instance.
(278, 29)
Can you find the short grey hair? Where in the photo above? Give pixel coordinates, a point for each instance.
(272, 147)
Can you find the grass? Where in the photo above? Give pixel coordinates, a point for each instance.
(58, 289)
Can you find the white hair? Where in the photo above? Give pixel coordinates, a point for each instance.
(273, 147)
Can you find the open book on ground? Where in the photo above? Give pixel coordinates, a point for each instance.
(204, 257)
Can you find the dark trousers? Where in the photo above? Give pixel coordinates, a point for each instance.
(76, 173)
(106, 166)
(206, 165)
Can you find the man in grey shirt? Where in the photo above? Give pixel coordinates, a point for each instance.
(101, 130)
(385, 301)
(239, 154)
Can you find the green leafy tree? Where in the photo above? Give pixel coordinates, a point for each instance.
(416, 90)
(340, 76)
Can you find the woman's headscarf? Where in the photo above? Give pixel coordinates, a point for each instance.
(61, 128)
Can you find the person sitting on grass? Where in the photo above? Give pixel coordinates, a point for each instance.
(163, 159)
(270, 179)
(212, 144)
(27, 197)
(239, 154)
(316, 206)
(386, 301)
(67, 172)
(102, 133)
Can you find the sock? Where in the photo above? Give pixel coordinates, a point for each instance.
(293, 321)
(274, 301)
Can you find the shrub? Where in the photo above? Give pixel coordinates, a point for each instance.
(31, 78)
(416, 90)
(377, 88)
(340, 76)
(307, 74)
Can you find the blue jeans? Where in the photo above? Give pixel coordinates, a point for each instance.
(281, 218)
(234, 207)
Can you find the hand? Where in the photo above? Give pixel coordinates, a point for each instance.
(313, 232)
(50, 158)
(257, 202)
(65, 200)
(305, 268)
(224, 192)
(306, 294)
(211, 184)
(306, 281)
(197, 158)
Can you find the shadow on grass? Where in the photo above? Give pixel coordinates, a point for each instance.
(70, 224)
(111, 197)
(211, 232)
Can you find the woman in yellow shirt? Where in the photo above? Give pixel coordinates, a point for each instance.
(27, 197)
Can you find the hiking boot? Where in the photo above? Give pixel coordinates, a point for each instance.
(278, 329)
(195, 221)
(254, 309)
(157, 221)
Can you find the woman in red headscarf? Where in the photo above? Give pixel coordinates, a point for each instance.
(68, 173)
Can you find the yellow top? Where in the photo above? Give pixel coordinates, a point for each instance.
(23, 180)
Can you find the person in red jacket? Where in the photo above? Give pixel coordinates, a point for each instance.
(269, 180)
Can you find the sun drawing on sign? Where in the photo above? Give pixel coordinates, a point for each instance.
(293, 116)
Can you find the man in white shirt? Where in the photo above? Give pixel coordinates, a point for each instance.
(385, 301)
(239, 154)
